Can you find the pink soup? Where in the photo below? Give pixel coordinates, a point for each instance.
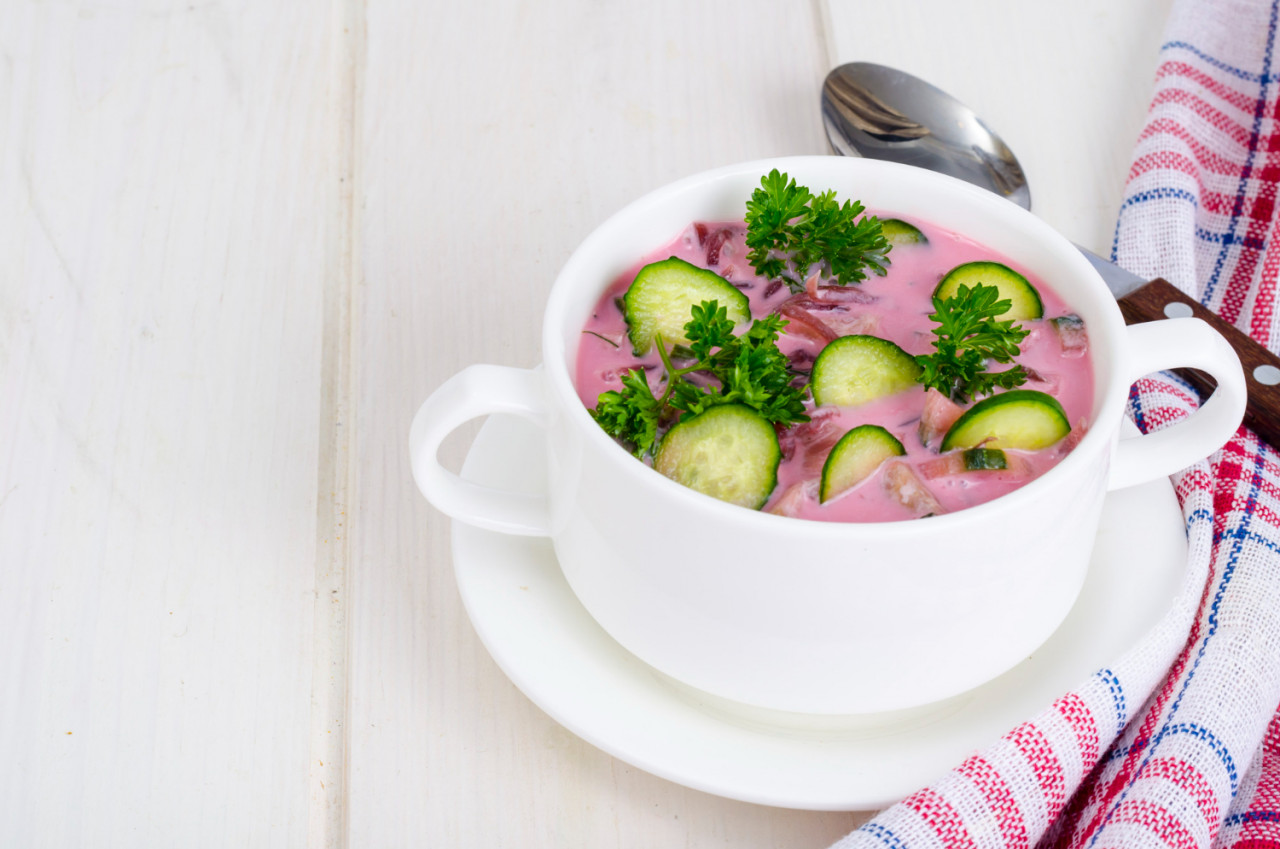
(894, 307)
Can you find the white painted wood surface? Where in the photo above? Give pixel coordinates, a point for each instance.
(168, 209)
(240, 243)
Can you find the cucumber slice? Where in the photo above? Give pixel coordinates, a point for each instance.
(855, 457)
(1026, 303)
(984, 459)
(729, 452)
(899, 232)
(662, 295)
(1019, 418)
(853, 370)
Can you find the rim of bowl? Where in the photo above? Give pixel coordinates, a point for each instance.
(1073, 264)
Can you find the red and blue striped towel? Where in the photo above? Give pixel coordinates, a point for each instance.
(1177, 744)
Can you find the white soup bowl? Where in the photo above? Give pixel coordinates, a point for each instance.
(809, 616)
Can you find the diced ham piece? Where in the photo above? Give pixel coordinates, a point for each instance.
(1016, 465)
(791, 501)
(939, 414)
(905, 486)
(952, 463)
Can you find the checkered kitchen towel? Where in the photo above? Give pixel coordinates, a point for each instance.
(1177, 744)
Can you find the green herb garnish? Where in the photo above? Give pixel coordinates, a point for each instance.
(967, 338)
(632, 415)
(746, 369)
(791, 232)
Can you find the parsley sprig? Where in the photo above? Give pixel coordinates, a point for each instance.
(744, 369)
(792, 232)
(967, 338)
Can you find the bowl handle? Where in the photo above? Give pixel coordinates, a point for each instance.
(476, 391)
(1180, 342)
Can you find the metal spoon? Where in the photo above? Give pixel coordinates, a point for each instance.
(883, 113)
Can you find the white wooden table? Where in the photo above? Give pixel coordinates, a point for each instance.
(240, 242)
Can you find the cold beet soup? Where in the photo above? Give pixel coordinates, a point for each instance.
(936, 376)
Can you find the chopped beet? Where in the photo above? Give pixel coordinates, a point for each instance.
(801, 361)
(714, 242)
(803, 324)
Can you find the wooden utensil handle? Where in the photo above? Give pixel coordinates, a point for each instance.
(1161, 299)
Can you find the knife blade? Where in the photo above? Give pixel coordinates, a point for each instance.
(1143, 300)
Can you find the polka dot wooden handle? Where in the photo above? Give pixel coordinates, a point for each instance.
(1161, 299)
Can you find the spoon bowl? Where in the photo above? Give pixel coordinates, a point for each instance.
(879, 112)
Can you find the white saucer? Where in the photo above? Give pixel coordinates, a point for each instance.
(552, 649)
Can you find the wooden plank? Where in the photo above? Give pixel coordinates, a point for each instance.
(327, 778)
(493, 138)
(168, 218)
